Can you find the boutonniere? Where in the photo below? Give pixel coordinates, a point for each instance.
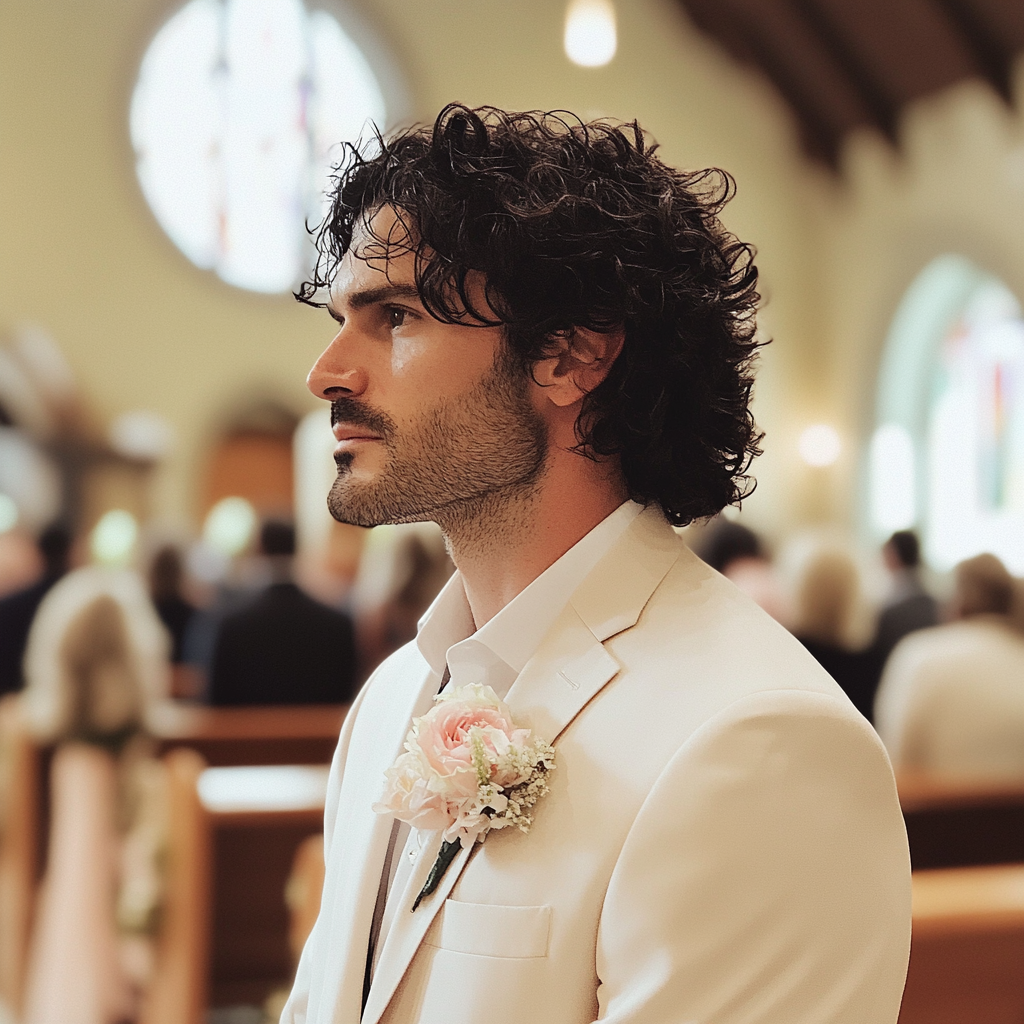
(466, 771)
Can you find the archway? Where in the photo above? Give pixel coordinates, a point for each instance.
(947, 454)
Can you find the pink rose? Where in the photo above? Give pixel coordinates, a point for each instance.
(444, 739)
(435, 784)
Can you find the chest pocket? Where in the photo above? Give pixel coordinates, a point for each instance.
(487, 930)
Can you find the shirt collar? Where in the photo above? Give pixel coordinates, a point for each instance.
(515, 633)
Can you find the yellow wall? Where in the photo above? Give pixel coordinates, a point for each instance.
(81, 254)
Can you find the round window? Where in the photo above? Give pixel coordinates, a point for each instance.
(236, 119)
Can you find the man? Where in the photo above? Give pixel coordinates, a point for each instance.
(282, 647)
(910, 606)
(951, 699)
(544, 345)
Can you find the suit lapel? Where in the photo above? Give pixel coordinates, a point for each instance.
(568, 669)
(571, 665)
(361, 838)
(408, 928)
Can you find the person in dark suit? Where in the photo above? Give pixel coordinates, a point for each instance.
(282, 647)
(17, 610)
(910, 607)
(165, 589)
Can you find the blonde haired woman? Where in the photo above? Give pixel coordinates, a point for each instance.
(829, 620)
(96, 663)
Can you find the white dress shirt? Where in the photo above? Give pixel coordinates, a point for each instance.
(495, 654)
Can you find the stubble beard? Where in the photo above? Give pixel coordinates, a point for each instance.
(471, 464)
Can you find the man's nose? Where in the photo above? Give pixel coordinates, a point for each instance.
(337, 373)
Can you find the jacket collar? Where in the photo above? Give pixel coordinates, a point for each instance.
(515, 633)
(572, 664)
(568, 669)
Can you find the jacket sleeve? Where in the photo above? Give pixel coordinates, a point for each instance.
(295, 1009)
(765, 879)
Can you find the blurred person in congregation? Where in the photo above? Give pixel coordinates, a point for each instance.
(96, 662)
(165, 588)
(402, 569)
(739, 554)
(908, 606)
(951, 699)
(826, 606)
(20, 560)
(18, 610)
(282, 646)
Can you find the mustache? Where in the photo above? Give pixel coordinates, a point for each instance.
(348, 410)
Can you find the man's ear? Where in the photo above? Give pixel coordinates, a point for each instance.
(578, 360)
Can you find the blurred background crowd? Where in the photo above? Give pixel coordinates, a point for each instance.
(182, 625)
(936, 662)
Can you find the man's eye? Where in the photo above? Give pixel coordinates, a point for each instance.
(396, 317)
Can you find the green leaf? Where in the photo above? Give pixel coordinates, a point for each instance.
(444, 858)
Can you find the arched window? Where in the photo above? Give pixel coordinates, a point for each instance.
(235, 121)
(947, 455)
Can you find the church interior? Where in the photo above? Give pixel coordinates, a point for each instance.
(162, 462)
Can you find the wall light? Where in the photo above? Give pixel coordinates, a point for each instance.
(590, 35)
(230, 526)
(113, 538)
(820, 445)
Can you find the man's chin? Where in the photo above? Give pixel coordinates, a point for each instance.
(354, 507)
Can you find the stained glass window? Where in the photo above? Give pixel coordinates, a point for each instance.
(236, 119)
(948, 453)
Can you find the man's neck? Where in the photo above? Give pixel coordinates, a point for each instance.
(503, 547)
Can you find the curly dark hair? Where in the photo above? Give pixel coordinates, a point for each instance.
(577, 224)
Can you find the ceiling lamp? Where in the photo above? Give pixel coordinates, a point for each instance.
(590, 34)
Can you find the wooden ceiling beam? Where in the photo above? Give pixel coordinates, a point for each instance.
(822, 135)
(882, 108)
(752, 42)
(994, 60)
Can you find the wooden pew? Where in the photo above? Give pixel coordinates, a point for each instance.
(956, 823)
(248, 859)
(259, 817)
(180, 989)
(252, 851)
(179, 993)
(967, 953)
(20, 845)
(294, 734)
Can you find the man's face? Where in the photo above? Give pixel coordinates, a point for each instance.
(432, 420)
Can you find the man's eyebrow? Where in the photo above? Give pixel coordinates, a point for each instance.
(373, 296)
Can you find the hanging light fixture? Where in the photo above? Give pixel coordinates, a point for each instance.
(590, 34)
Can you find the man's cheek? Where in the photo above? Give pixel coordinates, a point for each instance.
(407, 354)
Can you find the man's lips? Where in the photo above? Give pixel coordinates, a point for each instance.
(346, 433)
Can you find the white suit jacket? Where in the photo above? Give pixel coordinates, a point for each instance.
(722, 842)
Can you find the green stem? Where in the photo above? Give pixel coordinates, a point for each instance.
(444, 858)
